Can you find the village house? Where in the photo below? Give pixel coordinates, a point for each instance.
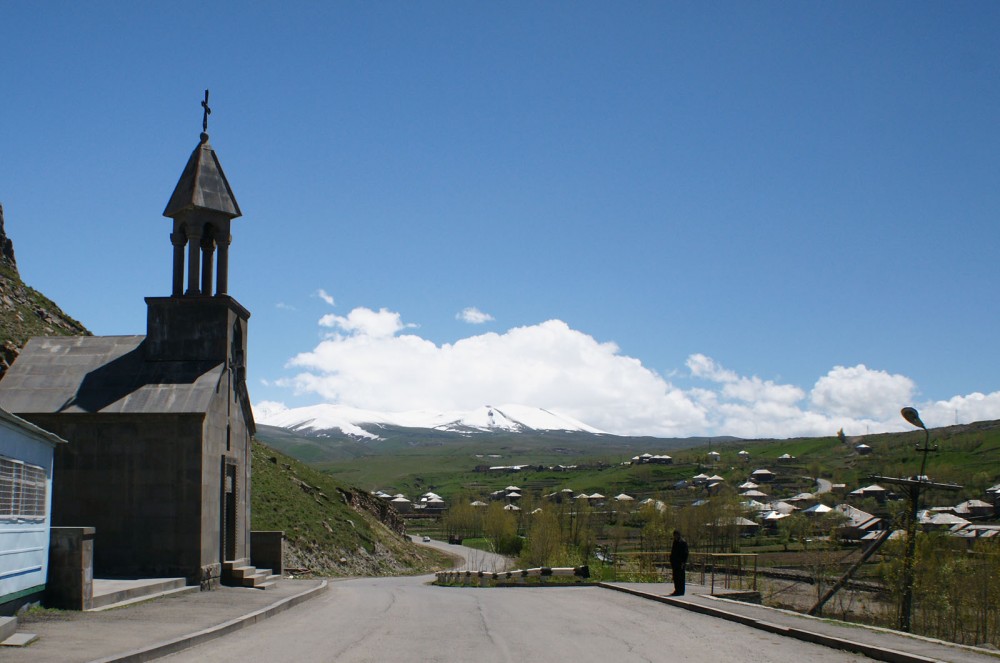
(974, 509)
(655, 459)
(857, 523)
(940, 520)
(874, 491)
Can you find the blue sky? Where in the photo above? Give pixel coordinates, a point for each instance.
(676, 218)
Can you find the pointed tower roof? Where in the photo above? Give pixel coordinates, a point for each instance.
(203, 185)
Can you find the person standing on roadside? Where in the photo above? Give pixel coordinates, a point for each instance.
(678, 562)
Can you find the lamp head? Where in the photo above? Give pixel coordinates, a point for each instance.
(912, 416)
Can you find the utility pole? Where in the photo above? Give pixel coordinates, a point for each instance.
(913, 487)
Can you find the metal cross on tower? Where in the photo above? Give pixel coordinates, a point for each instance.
(208, 111)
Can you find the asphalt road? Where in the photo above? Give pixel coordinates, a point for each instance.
(408, 619)
(823, 486)
(474, 559)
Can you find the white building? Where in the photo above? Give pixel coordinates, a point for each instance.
(26, 453)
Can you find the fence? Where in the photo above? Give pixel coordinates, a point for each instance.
(722, 571)
(730, 571)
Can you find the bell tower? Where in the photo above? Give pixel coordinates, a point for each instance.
(202, 207)
(195, 323)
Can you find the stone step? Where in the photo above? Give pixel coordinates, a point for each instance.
(238, 573)
(270, 581)
(145, 597)
(241, 573)
(19, 640)
(108, 593)
(8, 626)
(261, 579)
(234, 563)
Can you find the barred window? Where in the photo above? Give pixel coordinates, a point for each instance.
(22, 490)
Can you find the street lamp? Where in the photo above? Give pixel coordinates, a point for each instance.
(913, 417)
(913, 486)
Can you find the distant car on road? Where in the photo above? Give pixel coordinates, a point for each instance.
(427, 539)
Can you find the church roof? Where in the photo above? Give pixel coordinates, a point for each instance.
(104, 374)
(203, 185)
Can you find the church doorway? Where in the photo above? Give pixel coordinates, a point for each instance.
(228, 525)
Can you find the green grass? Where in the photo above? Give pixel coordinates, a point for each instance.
(479, 544)
(20, 313)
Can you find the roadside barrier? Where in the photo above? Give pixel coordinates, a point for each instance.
(481, 578)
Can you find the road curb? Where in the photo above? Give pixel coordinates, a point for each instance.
(871, 651)
(175, 645)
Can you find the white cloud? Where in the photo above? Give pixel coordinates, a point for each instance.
(322, 294)
(473, 316)
(734, 387)
(265, 409)
(962, 409)
(367, 362)
(365, 322)
(284, 307)
(705, 367)
(861, 392)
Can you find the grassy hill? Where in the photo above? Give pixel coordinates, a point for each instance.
(25, 312)
(330, 528)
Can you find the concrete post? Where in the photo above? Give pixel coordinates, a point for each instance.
(70, 584)
(266, 550)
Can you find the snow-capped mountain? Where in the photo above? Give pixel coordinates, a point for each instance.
(364, 424)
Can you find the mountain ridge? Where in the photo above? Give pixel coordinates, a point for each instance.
(359, 424)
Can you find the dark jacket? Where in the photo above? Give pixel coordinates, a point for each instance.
(678, 553)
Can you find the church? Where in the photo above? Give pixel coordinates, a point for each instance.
(158, 426)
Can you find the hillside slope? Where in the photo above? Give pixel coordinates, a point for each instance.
(331, 529)
(25, 312)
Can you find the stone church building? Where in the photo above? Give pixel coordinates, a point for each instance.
(159, 426)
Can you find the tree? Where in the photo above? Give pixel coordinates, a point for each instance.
(500, 529)
(545, 546)
(794, 527)
(462, 519)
